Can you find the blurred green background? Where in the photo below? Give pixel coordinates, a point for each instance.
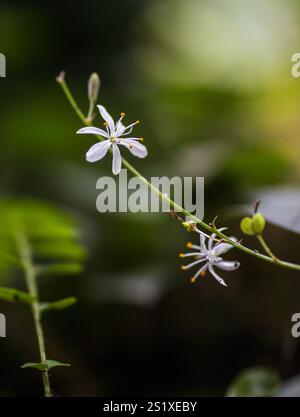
(210, 81)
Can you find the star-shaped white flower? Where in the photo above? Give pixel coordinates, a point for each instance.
(113, 138)
(210, 256)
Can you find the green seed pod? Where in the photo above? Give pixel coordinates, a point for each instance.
(93, 87)
(258, 223)
(246, 226)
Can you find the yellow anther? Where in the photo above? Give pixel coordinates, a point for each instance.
(181, 255)
(122, 114)
(105, 123)
(141, 139)
(189, 245)
(183, 267)
(137, 121)
(193, 280)
(203, 273)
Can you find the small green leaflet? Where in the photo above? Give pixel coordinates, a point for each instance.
(44, 366)
(58, 305)
(67, 268)
(14, 295)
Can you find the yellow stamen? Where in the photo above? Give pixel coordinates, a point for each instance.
(193, 280)
(105, 123)
(137, 121)
(189, 245)
(181, 255)
(203, 273)
(122, 114)
(183, 267)
(141, 139)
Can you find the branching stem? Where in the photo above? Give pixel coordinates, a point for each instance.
(173, 204)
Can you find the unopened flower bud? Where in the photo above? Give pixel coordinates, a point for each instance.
(61, 77)
(258, 223)
(190, 226)
(246, 226)
(93, 87)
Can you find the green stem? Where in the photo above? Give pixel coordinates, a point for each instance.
(31, 282)
(266, 248)
(61, 80)
(177, 207)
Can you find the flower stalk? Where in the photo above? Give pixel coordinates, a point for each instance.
(210, 228)
(266, 248)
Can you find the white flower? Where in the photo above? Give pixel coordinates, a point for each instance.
(113, 138)
(210, 256)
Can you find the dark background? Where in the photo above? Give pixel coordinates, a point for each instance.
(211, 83)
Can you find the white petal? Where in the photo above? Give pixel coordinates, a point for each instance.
(136, 148)
(117, 160)
(223, 247)
(216, 276)
(98, 151)
(228, 265)
(202, 244)
(120, 128)
(202, 269)
(107, 117)
(93, 131)
(213, 236)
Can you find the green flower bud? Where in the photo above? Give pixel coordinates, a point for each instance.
(190, 226)
(93, 87)
(246, 226)
(258, 223)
